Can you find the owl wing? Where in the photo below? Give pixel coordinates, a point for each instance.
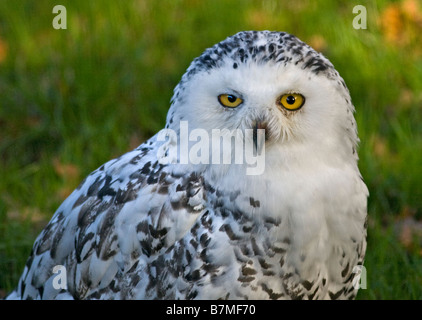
(130, 207)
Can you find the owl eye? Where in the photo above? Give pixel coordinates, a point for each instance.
(229, 100)
(292, 101)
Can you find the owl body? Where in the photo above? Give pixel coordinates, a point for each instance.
(142, 228)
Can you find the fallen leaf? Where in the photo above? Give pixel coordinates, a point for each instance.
(66, 171)
(3, 50)
(409, 233)
(70, 174)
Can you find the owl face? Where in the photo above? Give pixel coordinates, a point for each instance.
(271, 81)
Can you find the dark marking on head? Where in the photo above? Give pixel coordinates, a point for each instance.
(254, 203)
(257, 47)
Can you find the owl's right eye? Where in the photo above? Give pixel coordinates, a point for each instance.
(229, 100)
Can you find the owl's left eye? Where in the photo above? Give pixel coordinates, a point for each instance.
(229, 100)
(292, 101)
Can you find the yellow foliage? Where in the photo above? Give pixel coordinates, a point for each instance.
(401, 25)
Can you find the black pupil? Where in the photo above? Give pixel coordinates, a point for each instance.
(231, 98)
(290, 100)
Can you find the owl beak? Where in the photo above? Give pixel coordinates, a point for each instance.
(259, 137)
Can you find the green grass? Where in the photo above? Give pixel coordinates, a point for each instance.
(73, 99)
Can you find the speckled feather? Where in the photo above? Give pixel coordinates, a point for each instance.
(139, 229)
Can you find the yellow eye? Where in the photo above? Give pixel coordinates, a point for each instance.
(292, 101)
(229, 100)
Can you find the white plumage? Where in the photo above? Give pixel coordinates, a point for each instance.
(147, 225)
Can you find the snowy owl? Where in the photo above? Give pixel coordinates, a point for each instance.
(251, 191)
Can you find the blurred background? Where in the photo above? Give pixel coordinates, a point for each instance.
(73, 99)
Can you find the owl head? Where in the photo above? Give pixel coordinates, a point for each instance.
(275, 82)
